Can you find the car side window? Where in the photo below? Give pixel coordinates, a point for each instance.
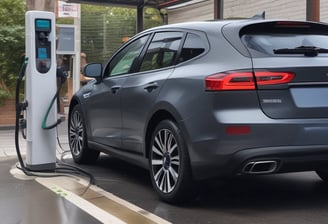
(162, 51)
(192, 47)
(123, 61)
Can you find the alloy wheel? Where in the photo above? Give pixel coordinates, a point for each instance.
(76, 133)
(165, 160)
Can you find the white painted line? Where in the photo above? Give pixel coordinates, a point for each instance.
(62, 184)
(70, 187)
(83, 204)
(140, 211)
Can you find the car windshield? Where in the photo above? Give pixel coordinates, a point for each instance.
(261, 45)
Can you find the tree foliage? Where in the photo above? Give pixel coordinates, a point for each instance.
(12, 42)
(12, 12)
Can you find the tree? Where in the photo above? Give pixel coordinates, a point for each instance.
(12, 43)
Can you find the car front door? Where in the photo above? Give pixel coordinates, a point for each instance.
(104, 101)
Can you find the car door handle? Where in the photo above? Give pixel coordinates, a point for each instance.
(151, 86)
(115, 89)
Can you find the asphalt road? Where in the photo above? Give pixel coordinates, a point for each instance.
(300, 198)
(281, 198)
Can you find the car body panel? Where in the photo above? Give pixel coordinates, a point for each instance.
(138, 95)
(286, 123)
(103, 107)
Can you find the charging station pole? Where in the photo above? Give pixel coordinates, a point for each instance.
(40, 88)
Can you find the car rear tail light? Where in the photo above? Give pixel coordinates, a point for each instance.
(273, 78)
(245, 80)
(230, 81)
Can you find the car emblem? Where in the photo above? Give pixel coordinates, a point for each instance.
(272, 100)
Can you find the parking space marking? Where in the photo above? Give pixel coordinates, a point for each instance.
(99, 203)
(80, 202)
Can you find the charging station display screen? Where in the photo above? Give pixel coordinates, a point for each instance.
(42, 24)
(42, 53)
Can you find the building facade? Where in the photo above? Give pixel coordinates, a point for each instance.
(199, 10)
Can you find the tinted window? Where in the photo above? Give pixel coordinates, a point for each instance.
(162, 51)
(193, 46)
(123, 61)
(267, 43)
(263, 39)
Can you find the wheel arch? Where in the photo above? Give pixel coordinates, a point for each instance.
(157, 117)
(72, 104)
(77, 136)
(75, 101)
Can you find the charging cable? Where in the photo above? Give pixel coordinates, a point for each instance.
(18, 112)
(44, 122)
(62, 169)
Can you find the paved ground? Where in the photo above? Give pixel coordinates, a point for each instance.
(28, 202)
(276, 199)
(7, 140)
(300, 198)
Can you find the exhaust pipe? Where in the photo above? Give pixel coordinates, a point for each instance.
(260, 167)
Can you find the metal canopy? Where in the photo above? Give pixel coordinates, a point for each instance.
(139, 4)
(133, 3)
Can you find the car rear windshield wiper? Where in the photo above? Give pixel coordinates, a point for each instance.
(310, 51)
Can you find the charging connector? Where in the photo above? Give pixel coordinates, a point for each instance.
(62, 169)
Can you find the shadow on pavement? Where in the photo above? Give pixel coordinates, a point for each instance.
(282, 198)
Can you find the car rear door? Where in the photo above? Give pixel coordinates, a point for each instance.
(290, 64)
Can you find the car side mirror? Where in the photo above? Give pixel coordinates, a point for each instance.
(93, 70)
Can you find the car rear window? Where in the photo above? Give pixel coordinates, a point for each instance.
(285, 39)
(193, 46)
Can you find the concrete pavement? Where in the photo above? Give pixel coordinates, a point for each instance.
(29, 202)
(7, 142)
(7, 139)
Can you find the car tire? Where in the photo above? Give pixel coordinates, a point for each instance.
(323, 174)
(169, 164)
(77, 137)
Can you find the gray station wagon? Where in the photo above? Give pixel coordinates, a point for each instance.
(201, 100)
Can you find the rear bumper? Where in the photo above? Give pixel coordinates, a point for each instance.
(294, 144)
(288, 159)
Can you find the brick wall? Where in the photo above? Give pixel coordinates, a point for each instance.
(8, 113)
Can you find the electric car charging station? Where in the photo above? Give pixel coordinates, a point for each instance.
(47, 189)
(40, 89)
(45, 185)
